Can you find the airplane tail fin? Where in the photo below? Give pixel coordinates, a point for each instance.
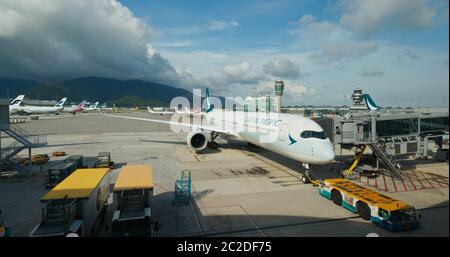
(209, 107)
(17, 101)
(82, 104)
(95, 105)
(371, 105)
(149, 109)
(61, 102)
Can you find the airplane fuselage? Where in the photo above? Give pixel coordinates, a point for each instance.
(290, 135)
(39, 109)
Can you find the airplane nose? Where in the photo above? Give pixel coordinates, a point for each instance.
(329, 155)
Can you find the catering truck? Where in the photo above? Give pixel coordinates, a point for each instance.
(384, 211)
(76, 205)
(133, 193)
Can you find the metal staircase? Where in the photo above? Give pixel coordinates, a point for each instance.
(23, 140)
(392, 165)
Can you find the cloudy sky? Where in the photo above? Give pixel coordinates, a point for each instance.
(395, 50)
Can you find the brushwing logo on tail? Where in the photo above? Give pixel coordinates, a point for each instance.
(210, 107)
(371, 105)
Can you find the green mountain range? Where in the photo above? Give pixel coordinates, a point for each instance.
(132, 93)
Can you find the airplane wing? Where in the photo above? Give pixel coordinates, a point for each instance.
(191, 126)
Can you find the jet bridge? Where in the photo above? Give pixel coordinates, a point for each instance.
(390, 135)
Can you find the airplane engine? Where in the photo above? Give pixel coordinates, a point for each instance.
(197, 140)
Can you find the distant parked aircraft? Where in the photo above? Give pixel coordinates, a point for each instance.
(14, 105)
(28, 109)
(75, 109)
(92, 108)
(159, 112)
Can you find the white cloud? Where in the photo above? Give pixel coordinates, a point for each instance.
(282, 68)
(204, 28)
(10, 20)
(241, 73)
(222, 25)
(67, 39)
(330, 42)
(366, 17)
(336, 51)
(175, 44)
(371, 73)
(306, 19)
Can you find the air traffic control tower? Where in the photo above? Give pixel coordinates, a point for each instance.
(358, 102)
(279, 88)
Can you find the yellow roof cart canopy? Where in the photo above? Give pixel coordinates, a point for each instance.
(79, 184)
(134, 177)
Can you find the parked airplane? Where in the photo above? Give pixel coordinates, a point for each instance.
(28, 109)
(14, 105)
(159, 112)
(75, 109)
(92, 108)
(185, 110)
(290, 135)
(105, 108)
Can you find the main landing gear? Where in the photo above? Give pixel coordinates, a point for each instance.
(213, 143)
(307, 176)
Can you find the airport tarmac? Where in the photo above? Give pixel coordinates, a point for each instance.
(238, 190)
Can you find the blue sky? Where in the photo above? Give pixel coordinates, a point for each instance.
(415, 43)
(397, 51)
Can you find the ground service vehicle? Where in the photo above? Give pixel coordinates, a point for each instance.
(382, 210)
(59, 172)
(75, 158)
(76, 205)
(133, 193)
(104, 160)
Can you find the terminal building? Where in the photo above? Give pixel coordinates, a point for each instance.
(391, 135)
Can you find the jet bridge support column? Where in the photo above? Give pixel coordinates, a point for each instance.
(374, 129)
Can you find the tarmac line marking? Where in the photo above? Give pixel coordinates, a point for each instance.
(395, 186)
(197, 221)
(427, 179)
(281, 226)
(385, 184)
(418, 179)
(410, 180)
(252, 221)
(404, 185)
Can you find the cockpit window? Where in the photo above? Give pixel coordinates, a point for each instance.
(313, 134)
